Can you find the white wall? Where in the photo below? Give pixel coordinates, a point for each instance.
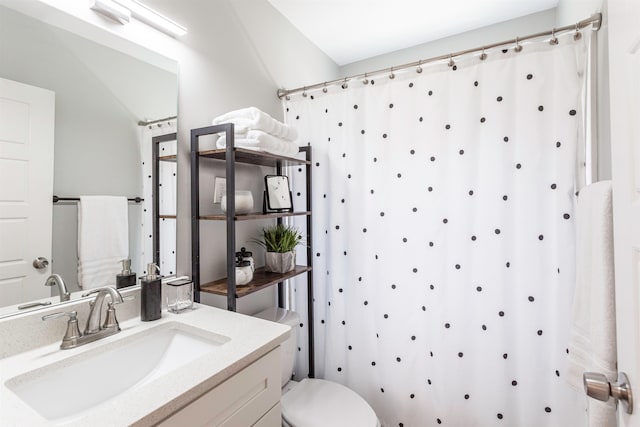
(541, 21)
(569, 12)
(290, 59)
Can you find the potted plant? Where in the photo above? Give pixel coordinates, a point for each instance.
(280, 242)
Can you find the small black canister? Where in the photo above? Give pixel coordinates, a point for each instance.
(151, 294)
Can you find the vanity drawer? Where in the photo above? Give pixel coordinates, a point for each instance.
(273, 418)
(242, 400)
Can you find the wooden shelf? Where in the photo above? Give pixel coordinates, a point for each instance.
(170, 158)
(253, 157)
(255, 215)
(261, 280)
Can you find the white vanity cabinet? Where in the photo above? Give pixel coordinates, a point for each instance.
(249, 398)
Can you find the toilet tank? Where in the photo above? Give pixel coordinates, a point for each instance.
(287, 348)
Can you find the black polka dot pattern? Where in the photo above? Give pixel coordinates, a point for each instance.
(445, 250)
(167, 178)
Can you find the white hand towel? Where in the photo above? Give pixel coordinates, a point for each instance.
(592, 345)
(261, 141)
(252, 118)
(103, 239)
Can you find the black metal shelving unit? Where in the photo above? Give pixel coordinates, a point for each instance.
(157, 158)
(232, 155)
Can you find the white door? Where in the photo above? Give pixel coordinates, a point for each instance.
(26, 190)
(624, 69)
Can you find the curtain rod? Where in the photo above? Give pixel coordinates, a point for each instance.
(152, 122)
(595, 20)
(77, 199)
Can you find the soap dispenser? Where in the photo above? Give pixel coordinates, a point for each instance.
(151, 294)
(127, 277)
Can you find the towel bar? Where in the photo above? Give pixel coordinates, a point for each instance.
(77, 199)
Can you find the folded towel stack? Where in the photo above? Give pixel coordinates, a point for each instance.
(257, 130)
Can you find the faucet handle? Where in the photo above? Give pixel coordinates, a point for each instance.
(111, 322)
(72, 334)
(73, 315)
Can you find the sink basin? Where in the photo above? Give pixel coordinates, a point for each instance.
(83, 381)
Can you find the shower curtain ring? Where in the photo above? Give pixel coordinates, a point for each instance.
(518, 48)
(483, 55)
(578, 35)
(419, 69)
(554, 39)
(288, 98)
(324, 89)
(451, 61)
(365, 81)
(304, 92)
(392, 76)
(345, 84)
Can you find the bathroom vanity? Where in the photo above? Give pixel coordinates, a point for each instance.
(203, 367)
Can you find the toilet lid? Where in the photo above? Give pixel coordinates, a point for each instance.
(320, 403)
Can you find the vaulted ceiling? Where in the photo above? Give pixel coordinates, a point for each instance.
(351, 30)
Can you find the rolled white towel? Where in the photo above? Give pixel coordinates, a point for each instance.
(252, 118)
(262, 141)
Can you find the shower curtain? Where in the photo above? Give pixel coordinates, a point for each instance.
(443, 224)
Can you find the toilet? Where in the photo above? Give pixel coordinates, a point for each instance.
(315, 402)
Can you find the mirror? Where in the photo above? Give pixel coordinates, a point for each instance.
(164, 201)
(278, 193)
(108, 108)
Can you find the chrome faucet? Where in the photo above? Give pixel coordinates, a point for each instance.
(94, 330)
(55, 279)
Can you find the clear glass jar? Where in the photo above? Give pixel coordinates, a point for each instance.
(244, 272)
(179, 295)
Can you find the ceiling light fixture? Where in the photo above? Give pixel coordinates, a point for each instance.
(153, 18)
(112, 10)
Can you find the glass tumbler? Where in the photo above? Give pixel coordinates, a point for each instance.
(179, 295)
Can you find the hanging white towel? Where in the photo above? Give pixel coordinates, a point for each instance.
(252, 118)
(592, 345)
(103, 239)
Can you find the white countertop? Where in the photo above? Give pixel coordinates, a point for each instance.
(250, 339)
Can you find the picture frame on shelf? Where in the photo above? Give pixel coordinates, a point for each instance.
(277, 194)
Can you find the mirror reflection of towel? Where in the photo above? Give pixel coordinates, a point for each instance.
(103, 239)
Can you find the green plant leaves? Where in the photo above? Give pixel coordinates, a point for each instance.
(279, 238)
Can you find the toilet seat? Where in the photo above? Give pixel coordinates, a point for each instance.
(320, 403)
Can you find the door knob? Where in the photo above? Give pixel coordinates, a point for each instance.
(597, 386)
(40, 263)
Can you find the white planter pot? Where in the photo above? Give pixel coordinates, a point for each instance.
(277, 262)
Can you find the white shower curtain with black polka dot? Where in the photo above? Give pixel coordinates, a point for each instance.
(443, 206)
